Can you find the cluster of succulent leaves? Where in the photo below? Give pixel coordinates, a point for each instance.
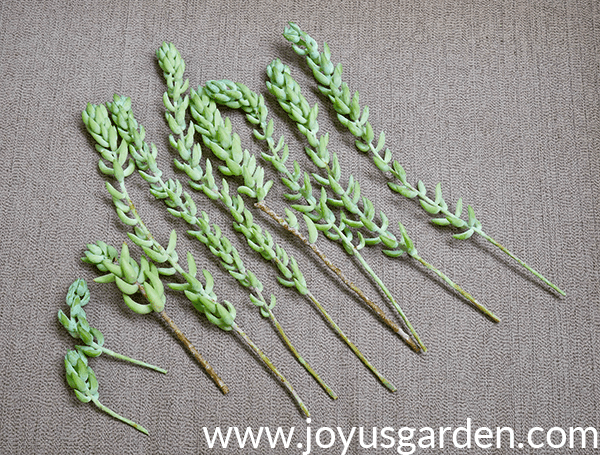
(217, 132)
(236, 95)
(80, 376)
(288, 94)
(298, 182)
(82, 379)
(355, 119)
(126, 129)
(76, 323)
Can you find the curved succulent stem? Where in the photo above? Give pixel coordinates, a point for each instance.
(272, 367)
(79, 328)
(82, 379)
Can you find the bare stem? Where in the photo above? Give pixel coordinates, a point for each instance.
(376, 308)
(382, 286)
(339, 331)
(522, 263)
(462, 292)
(272, 367)
(129, 359)
(300, 359)
(352, 346)
(201, 360)
(120, 417)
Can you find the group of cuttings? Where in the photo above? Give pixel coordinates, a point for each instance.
(331, 207)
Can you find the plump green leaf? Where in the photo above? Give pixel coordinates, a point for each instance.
(393, 253)
(440, 221)
(459, 207)
(155, 256)
(410, 247)
(438, 193)
(313, 233)
(172, 242)
(472, 219)
(136, 307)
(126, 288)
(434, 210)
(464, 235)
(404, 191)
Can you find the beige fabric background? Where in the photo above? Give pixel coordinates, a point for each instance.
(496, 99)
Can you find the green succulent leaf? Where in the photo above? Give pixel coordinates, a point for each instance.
(433, 209)
(137, 307)
(464, 235)
(440, 221)
(403, 190)
(313, 233)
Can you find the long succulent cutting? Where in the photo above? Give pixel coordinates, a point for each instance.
(202, 297)
(217, 136)
(355, 119)
(78, 327)
(82, 379)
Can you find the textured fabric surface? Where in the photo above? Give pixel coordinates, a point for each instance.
(498, 100)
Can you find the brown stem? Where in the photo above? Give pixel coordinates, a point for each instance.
(378, 311)
(201, 360)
